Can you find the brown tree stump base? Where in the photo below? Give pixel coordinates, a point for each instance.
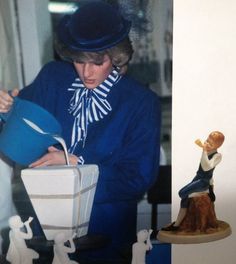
(200, 215)
(199, 225)
(185, 237)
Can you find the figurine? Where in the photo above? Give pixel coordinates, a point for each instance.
(202, 183)
(18, 252)
(142, 245)
(196, 221)
(61, 251)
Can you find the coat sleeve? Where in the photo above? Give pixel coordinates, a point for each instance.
(136, 165)
(50, 82)
(34, 91)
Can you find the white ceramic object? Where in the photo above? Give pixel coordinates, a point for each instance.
(62, 197)
(61, 251)
(142, 245)
(18, 252)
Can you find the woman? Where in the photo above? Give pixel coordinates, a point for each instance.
(108, 119)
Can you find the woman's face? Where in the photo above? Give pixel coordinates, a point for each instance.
(92, 73)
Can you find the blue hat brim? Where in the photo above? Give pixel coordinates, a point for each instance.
(92, 45)
(80, 43)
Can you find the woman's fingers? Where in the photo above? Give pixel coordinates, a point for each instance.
(15, 92)
(6, 100)
(53, 157)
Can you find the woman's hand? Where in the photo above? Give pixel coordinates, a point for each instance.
(6, 100)
(54, 157)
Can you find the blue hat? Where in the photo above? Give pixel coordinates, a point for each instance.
(94, 26)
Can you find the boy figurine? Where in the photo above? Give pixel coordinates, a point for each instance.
(18, 252)
(142, 245)
(203, 181)
(61, 251)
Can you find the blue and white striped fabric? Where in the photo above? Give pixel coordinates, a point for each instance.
(88, 106)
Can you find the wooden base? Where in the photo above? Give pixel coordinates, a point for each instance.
(182, 237)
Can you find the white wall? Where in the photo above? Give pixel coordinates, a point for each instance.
(10, 59)
(204, 94)
(26, 41)
(35, 35)
(162, 22)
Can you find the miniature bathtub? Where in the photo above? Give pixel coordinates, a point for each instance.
(62, 197)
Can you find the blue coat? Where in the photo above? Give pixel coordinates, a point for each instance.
(124, 144)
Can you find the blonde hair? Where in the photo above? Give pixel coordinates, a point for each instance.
(120, 54)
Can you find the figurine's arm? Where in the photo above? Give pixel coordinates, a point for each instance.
(71, 248)
(149, 244)
(29, 233)
(210, 164)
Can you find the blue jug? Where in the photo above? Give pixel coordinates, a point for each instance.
(27, 132)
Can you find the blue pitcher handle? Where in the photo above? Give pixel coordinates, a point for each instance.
(4, 116)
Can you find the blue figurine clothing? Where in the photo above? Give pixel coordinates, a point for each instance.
(203, 179)
(122, 137)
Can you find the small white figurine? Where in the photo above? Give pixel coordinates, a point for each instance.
(142, 245)
(61, 251)
(18, 252)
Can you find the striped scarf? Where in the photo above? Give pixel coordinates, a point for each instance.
(89, 105)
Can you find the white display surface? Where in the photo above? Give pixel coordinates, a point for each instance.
(204, 100)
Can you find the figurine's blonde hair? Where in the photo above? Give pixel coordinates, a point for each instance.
(218, 138)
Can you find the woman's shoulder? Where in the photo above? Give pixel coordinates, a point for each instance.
(135, 90)
(59, 67)
(58, 74)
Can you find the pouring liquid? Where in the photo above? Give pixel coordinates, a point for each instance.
(56, 137)
(62, 142)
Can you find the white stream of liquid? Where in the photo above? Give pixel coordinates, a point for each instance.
(59, 139)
